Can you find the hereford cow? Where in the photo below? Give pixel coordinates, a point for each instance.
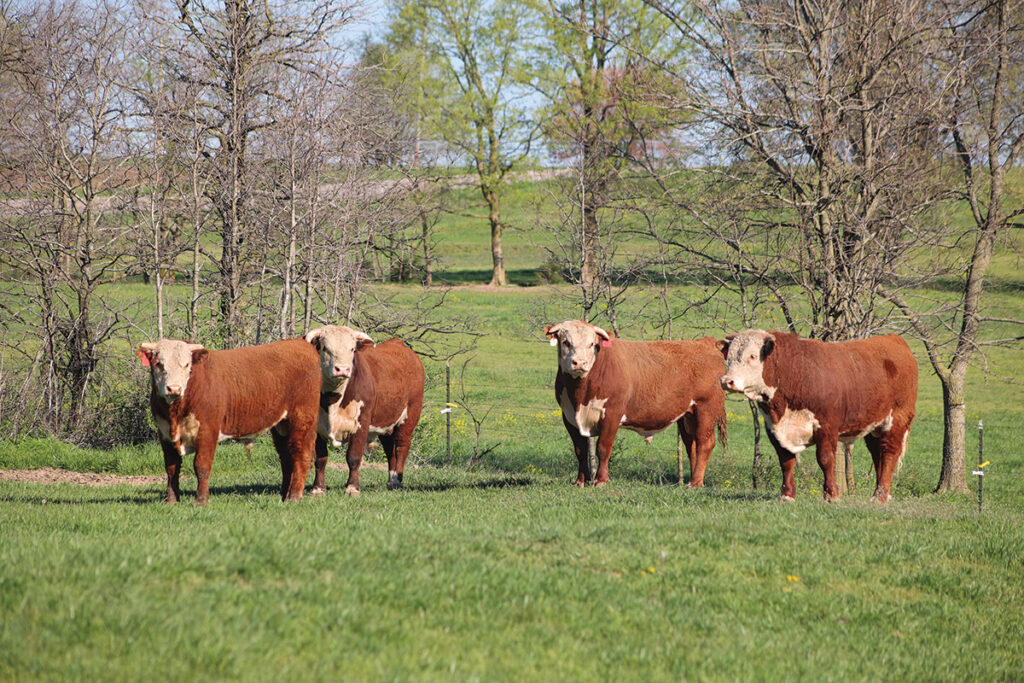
(200, 397)
(813, 392)
(604, 383)
(366, 389)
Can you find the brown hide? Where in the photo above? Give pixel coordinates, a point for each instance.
(388, 378)
(850, 387)
(653, 385)
(240, 393)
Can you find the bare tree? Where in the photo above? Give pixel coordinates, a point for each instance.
(232, 57)
(983, 50)
(63, 243)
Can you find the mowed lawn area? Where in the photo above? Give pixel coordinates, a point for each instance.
(489, 565)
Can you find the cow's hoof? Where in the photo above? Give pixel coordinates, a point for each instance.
(318, 491)
(695, 485)
(787, 499)
(201, 502)
(831, 499)
(599, 483)
(580, 483)
(394, 483)
(352, 491)
(880, 498)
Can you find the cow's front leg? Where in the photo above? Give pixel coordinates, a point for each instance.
(787, 461)
(354, 456)
(172, 463)
(582, 449)
(605, 440)
(825, 449)
(319, 481)
(206, 445)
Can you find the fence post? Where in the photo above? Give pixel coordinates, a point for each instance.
(448, 401)
(679, 457)
(981, 472)
(592, 458)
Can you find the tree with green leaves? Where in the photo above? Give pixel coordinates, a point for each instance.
(601, 110)
(467, 53)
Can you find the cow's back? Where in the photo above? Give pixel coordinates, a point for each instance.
(851, 383)
(256, 383)
(657, 380)
(398, 378)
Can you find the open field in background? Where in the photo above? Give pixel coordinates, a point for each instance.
(498, 568)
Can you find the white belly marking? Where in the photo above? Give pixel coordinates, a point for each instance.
(795, 430)
(584, 418)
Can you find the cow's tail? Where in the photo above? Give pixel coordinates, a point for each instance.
(723, 433)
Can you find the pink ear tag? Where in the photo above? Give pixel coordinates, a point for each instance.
(606, 343)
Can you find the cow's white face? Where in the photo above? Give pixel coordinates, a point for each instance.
(337, 347)
(578, 344)
(744, 354)
(170, 362)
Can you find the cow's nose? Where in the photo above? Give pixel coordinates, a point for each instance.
(173, 390)
(342, 371)
(727, 383)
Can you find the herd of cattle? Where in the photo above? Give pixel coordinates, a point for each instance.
(336, 386)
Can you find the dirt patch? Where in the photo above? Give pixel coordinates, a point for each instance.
(52, 475)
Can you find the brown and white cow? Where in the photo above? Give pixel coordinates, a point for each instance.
(813, 392)
(200, 397)
(604, 383)
(366, 389)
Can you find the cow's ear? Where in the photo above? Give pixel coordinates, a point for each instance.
(768, 346)
(551, 332)
(145, 354)
(313, 337)
(602, 334)
(723, 346)
(363, 340)
(198, 354)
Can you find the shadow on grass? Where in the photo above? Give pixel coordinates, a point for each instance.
(524, 277)
(140, 498)
(509, 481)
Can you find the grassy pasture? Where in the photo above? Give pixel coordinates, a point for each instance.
(499, 569)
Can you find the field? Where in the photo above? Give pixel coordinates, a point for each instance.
(490, 566)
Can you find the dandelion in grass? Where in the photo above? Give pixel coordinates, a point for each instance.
(790, 577)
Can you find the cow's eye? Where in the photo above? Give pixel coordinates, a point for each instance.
(753, 356)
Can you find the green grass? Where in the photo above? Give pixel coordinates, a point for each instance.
(499, 569)
(481, 575)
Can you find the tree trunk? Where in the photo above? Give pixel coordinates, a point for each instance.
(954, 445)
(494, 215)
(428, 272)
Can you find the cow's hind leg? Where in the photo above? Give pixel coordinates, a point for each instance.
(698, 432)
(300, 443)
(287, 464)
(886, 452)
(581, 448)
(320, 465)
(388, 442)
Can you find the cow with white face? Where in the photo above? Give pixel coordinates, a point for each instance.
(817, 393)
(199, 397)
(367, 389)
(604, 383)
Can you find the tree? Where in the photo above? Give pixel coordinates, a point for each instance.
(593, 69)
(64, 136)
(232, 55)
(983, 50)
(471, 48)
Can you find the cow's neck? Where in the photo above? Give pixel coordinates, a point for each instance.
(334, 387)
